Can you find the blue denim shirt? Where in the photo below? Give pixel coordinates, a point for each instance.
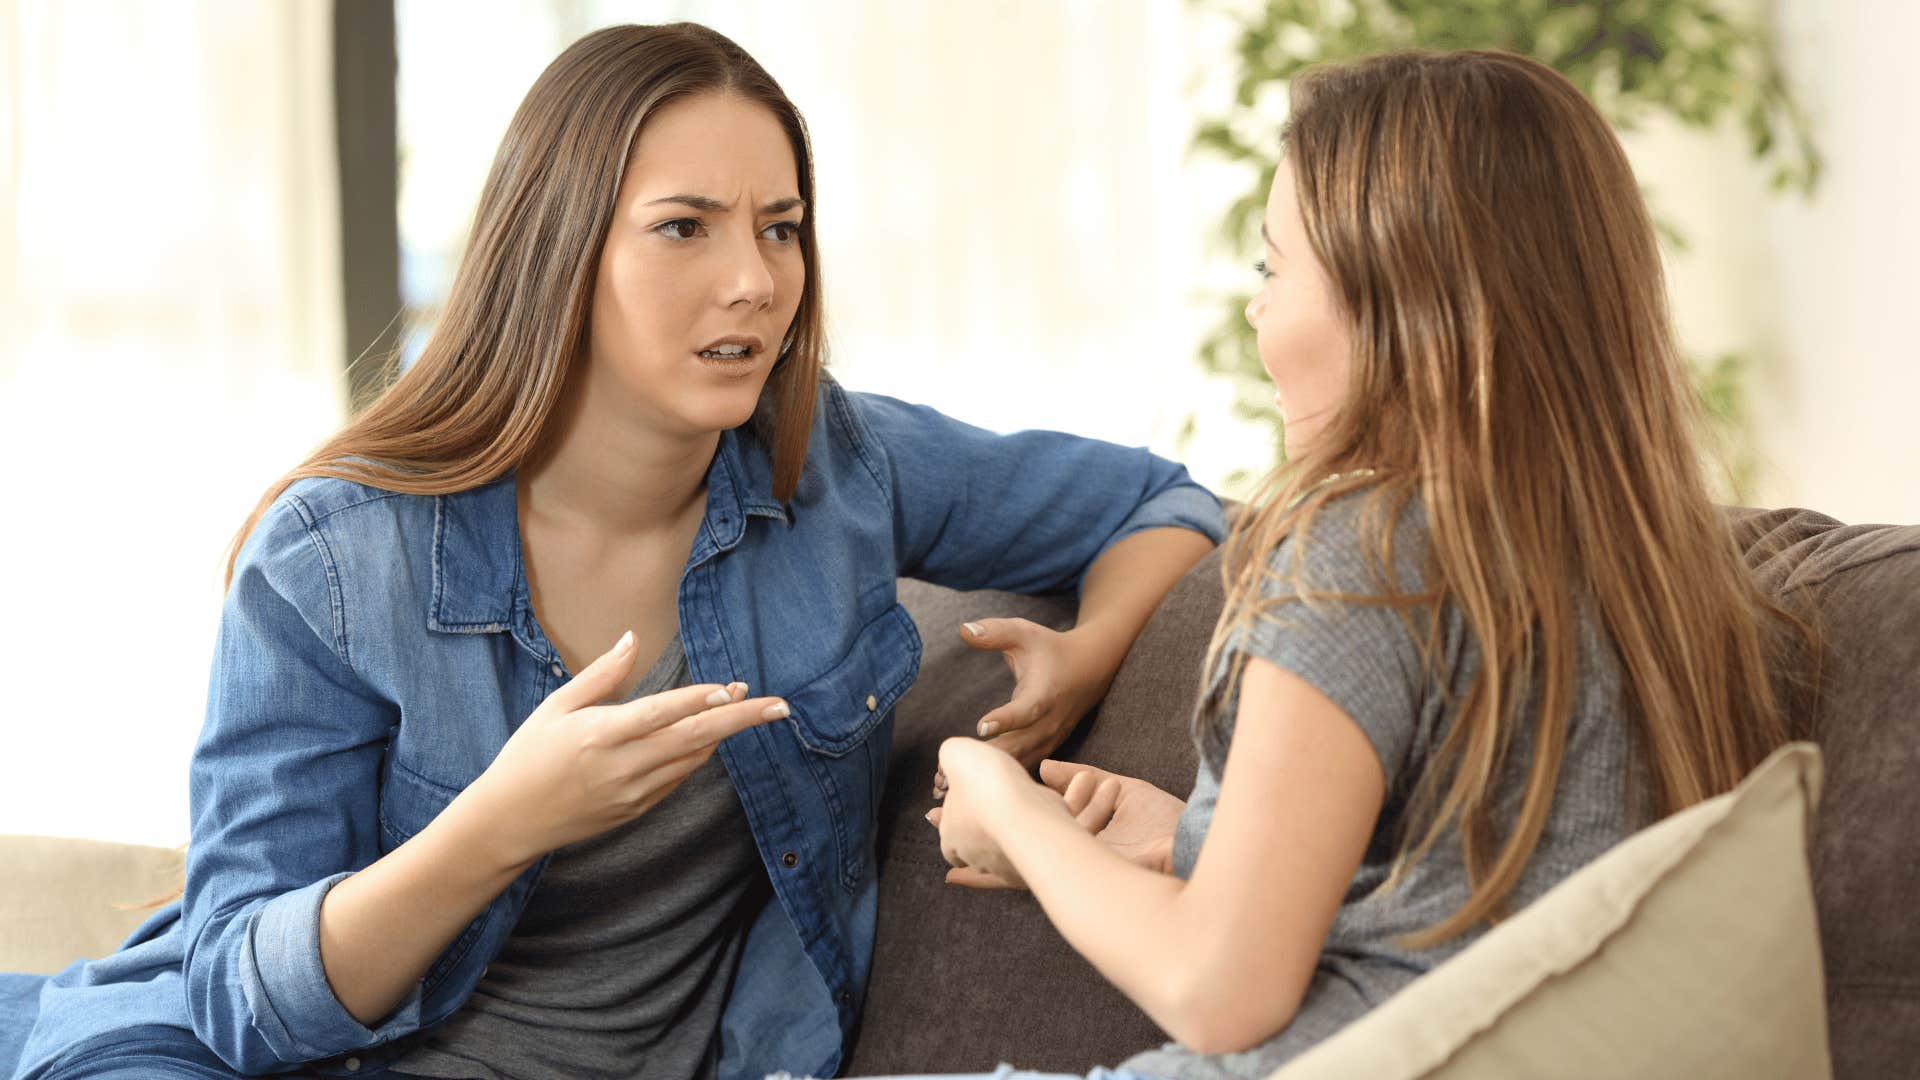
(377, 649)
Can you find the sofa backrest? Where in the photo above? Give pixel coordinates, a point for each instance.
(1861, 586)
(963, 980)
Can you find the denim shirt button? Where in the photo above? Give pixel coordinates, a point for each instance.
(872, 703)
(352, 1064)
(557, 670)
(789, 860)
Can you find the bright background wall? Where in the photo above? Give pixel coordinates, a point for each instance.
(1012, 230)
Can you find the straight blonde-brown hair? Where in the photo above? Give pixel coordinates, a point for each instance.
(479, 400)
(1514, 370)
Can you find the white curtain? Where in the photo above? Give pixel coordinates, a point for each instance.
(170, 341)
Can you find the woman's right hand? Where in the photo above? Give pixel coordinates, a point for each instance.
(577, 768)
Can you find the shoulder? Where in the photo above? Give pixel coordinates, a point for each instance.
(315, 499)
(349, 519)
(1369, 540)
(318, 523)
(879, 435)
(865, 423)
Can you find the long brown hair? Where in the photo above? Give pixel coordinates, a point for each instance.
(1514, 370)
(479, 399)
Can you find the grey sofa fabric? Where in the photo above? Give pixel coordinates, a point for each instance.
(963, 980)
(1861, 585)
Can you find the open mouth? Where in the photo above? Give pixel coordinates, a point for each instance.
(727, 352)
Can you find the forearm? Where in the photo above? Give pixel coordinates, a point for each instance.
(381, 928)
(1128, 921)
(1126, 583)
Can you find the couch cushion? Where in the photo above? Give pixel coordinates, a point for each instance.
(65, 899)
(1689, 949)
(1861, 585)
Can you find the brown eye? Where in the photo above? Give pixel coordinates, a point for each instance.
(679, 228)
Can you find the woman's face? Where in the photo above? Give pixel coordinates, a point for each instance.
(1305, 343)
(701, 272)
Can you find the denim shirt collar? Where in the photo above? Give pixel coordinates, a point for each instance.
(479, 582)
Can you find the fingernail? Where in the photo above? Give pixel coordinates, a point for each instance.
(988, 728)
(776, 711)
(975, 628)
(939, 794)
(929, 817)
(625, 642)
(738, 690)
(719, 697)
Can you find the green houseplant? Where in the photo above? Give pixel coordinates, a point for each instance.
(1690, 60)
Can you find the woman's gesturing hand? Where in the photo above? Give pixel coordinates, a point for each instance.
(1058, 676)
(577, 768)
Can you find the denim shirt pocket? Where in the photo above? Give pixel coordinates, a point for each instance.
(835, 716)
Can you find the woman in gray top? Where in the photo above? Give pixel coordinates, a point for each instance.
(1481, 625)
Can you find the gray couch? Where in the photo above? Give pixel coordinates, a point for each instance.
(964, 979)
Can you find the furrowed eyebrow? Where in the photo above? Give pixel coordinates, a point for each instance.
(708, 205)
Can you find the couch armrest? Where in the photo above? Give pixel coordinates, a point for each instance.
(62, 900)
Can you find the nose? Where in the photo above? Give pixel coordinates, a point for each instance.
(748, 281)
(1256, 307)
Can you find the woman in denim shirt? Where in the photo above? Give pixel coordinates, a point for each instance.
(619, 433)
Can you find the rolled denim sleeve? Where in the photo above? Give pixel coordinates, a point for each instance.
(1026, 512)
(284, 785)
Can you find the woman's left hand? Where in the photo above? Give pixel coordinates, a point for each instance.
(1058, 676)
(986, 784)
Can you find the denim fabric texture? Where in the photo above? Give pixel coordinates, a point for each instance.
(376, 650)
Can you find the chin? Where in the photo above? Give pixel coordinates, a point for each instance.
(718, 408)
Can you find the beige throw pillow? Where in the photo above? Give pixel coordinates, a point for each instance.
(62, 900)
(1691, 949)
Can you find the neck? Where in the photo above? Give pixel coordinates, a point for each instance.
(612, 472)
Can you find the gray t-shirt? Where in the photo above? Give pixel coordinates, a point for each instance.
(620, 964)
(1366, 661)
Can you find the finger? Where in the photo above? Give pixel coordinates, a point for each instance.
(939, 783)
(598, 679)
(1100, 804)
(644, 716)
(713, 726)
(1080, 792)
(933, 817)
(1057, 774)
(1019, 713)
(973, 877)
(996, 635)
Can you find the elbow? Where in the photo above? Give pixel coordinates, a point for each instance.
(219, 1011)
(1225, 1015)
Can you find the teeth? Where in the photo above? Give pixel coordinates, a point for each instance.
(731, 352)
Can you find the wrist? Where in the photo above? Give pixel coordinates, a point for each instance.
(1023, 803)
(1102, 645)
(472, 823)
